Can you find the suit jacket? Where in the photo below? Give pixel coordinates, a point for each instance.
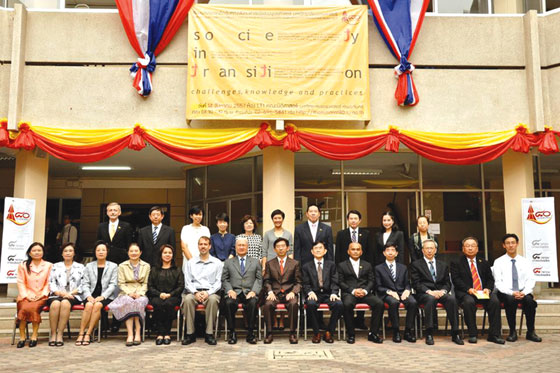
(462, 277)
(396, 238)
(311, 279)
(303, 241)
(347, 277)
(385, 280)
(251, 280)
(150, 250)
(343, 240)
(126, 281)
(422, 280)
(58, 278)
(289, 281)
(415, 245)
(118, 246)
(108, 279)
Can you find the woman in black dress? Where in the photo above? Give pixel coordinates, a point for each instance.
(390, 234)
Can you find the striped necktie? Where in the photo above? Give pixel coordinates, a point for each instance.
(154, 235)
(393, 274)
(475, 279)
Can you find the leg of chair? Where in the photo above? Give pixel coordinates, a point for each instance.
(521, 321)
(99, 329)
(421, 310)
(383, 324)
(462, 318)
(217, 324)
(178, 323)
(69, 332)
(15, 327)
(305, 324)
(144, 327)
(338, 328)
(259, 324)
(484, 321)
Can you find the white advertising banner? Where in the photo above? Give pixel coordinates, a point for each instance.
(539, 235)
(19, 224)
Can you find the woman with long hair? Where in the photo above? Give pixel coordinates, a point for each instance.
(390, 234)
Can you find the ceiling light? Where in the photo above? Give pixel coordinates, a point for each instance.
(358, 172)
(106, 168)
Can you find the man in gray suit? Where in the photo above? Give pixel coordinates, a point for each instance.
(242, 283)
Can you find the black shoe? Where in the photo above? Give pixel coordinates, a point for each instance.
(115, 328)
(251, 339)
(21, 344)
(189, 338)
(456, 338)
(232, 338)
(429, 339)
(512, 337)
(375, 338)
(495, 339)
(159, 341)
(472, 339)
(209, 339)
(351, 339)
(409, 337)
(531, 336)
(166, 341)
(32, 342)
(397, 337)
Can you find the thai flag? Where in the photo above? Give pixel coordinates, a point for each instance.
(150, 25)
(399, 23)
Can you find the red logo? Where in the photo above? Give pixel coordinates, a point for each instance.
(350, 19)
(18, 218)
(537, 270)
(11, 273)
(539, 217)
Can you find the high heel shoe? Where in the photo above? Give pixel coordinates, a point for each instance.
(88, 341)
(79, 341)
(21, 343)
(32, 342)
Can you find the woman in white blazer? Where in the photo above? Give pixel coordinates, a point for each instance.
(99, 284)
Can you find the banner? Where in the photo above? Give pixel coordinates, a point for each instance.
(19, 225)
(539, 235)
(278, 63)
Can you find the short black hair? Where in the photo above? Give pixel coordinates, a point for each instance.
(469, 238)
(223, 216)
(355, 212)
(279, 239)
(390, 244)
(277, 212)
(100, 242)
(422, 216)
(195, 210)
(313, 204)
(156, 208)
(510, 235)
(319, 242)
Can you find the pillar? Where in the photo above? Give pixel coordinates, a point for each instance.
(278, 186)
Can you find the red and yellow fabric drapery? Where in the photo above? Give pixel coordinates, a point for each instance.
(214, 146)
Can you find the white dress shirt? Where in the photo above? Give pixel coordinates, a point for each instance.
(114, 226)
(356, 267)
(502, 274)
(313, 227)
(428, 264)
(386, 237)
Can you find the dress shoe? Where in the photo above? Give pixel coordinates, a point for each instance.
(268, 339)
(251, 339)
(189, 338)
(209, 339)
(495, 339)
(32, 342)
(351, 339)
(456, 338)
(166, 341)
(159, 341)
(293, 338)
(512, 337)
(531, 336)
(327, 337)
(375, 338)
(472, 339)
(21, 344)
(316, 338)
(115, 328)
(397, 337)
(429, 339)
(409, 337)
(232, 338)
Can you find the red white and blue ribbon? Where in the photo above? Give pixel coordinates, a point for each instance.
(399, 23)
(150, 25)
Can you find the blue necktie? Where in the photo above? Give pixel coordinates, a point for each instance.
(242, 266)
(514, 277)
(433, 270)
(154, 235)
(393, 274)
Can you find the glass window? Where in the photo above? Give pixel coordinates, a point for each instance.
(443, 176)
(196, 183)
(493, 175)
(495, 224)
(382, 170)
(230, 178)
(533, 5)
(315, 172)
(329, 203)
(550, 171)
(240, 208)
(552, 4)
(259, 174)
(214, 209)
(462, 6)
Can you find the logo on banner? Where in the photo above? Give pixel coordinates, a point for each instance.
(11, 274)
(351, 19)
(539, 217)
(18, 218)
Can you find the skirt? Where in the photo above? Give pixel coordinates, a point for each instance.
(104, 302)
(73, 302)
(125, 307)
(30, 311)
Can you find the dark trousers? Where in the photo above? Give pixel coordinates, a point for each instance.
(527, 303)
(492, 307)
(292, 306)
(410, 305)
(349, 301)
(430, 304)
(249, 307)
(164, 314)
(335, 307)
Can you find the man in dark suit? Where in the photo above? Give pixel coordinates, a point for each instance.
(151, 237)
(282, 284)
(320, 285)
(357, 282)
(430, 279)
(242, 283)
(472, 278)
(117, 233)
(394, 288)
(309, 232)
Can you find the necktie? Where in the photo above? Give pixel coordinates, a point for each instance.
(155, 234)
(475, 279)
(68, 234)
(354, 236)
(314, 232)
(393, 274)
(433, 270)
(281, 266)
(320, 274)
(242, 266)
(112, 232)
(514, 277)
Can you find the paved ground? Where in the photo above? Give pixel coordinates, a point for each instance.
(112, 355)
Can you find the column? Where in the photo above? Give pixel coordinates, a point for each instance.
(278, 186)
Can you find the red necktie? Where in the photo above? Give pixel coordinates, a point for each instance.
(475, 278)
(281, 266)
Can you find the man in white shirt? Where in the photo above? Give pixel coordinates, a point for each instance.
(514, 281)
(69, 233)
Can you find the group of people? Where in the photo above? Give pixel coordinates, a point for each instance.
(223, 271)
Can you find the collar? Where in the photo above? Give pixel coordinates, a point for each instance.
(352, 261)
(156, 226)
(351, 230)
(242, 257)
(115, 223)
(389, 263)
(428, 261)
(285, 259)
(312, 224)
(322, 261)
(38, 268)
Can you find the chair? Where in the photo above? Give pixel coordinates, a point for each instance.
(439, 307)
(202, 308)
(240, 308)
(386, 317)
(150, 309)
(357, 307)
(480, 306)
(323, 307)
(280, 307)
